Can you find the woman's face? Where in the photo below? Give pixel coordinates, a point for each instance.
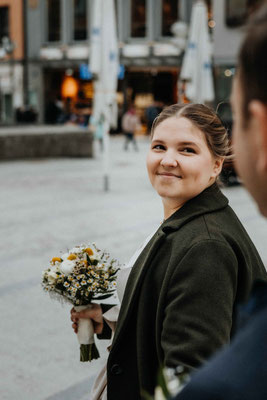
(179, 162)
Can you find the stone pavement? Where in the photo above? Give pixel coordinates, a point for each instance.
(50, 205)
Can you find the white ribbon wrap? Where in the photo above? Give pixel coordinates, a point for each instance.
(85, 332)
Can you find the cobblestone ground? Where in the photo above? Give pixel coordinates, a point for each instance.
(50, 205)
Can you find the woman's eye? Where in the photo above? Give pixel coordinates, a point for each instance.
(188, 150)
(158, 147)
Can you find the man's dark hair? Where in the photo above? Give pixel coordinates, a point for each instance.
(252, 71)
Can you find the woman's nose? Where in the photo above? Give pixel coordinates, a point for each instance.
(169, 160)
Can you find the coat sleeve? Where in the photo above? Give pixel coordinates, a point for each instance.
(199, 304)
(110, 318)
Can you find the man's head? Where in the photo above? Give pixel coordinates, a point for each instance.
(249, 102)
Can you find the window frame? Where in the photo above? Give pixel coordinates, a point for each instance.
(7, 7)
(72, 24)
(161, 36)
(130, 38)
(233, 22)
(46, 23)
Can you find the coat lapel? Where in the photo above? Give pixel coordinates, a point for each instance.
(134, 280)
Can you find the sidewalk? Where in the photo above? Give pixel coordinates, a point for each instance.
(51, 205)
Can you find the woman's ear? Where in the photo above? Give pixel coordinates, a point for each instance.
(258, 111)
(217, 168)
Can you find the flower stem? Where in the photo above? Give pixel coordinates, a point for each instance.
(88, 352)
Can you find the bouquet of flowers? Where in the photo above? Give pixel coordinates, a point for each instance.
(80, 276)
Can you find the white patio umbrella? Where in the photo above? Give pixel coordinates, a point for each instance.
(197, 66)
(104, 66)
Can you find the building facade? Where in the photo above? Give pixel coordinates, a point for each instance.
(60, 48)
(57, 51)
(11, 58)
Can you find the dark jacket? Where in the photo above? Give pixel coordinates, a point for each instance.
(239, 371)
(180, 296)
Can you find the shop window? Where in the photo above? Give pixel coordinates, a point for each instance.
(236, 11)
(80, 19)
(4, 25)
(53, 20)
(138, 18)
(169, 16)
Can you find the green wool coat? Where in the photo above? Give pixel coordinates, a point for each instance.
(179, 301)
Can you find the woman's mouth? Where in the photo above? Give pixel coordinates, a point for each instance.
(169, 175)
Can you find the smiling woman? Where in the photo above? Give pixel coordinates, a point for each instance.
(188, 143)
(179, 292)
(183, 160)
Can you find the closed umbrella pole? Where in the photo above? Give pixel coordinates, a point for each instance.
(196, 68)
(104, 66)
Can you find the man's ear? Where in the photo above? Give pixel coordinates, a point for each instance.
(258, 111)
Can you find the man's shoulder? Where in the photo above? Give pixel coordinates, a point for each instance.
(239, 370)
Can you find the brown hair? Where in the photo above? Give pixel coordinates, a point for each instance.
(252, 61)
(205, 119)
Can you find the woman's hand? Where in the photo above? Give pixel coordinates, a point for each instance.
(93, 312)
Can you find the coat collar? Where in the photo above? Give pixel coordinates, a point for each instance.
(209, 200)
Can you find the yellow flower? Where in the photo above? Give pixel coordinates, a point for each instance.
(89, 251)
(54, 259)
(72, 256)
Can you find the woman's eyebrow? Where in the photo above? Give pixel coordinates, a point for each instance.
(157, 140)
(182, 143)
(188, 143)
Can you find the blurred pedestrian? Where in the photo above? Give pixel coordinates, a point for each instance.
(130, 124)
(179, 291)
(239, 371)
(152, 112)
